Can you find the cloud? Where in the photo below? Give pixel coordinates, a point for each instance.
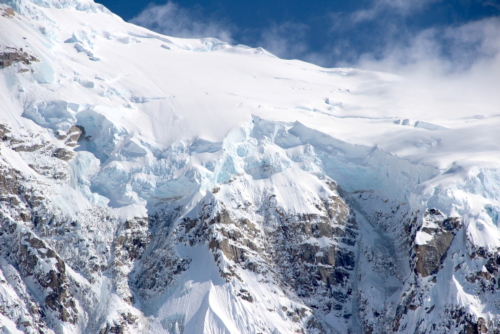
(376, 37)
(454, 67)
(396, 36)
(389, 7)
(446, 50)
(287, 40)
(172, 20)
(290, 40)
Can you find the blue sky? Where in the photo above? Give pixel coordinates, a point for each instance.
(378, 34)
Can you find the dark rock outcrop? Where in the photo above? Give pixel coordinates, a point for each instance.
(14, 55)
(431, 255)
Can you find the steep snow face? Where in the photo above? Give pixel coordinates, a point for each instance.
(152, 184)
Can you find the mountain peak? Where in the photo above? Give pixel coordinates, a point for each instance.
(153, 184)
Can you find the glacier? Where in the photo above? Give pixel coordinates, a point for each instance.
(152, 184)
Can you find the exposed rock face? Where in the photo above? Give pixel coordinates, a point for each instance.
(159, 264)
(308, 255)
(320, 259)
(31, 256)
(24, 143)
(431, 255)
(132, 238)
(9, 13)
(4, 132)
(41, 247)
(7, 58)
(72, 136)
(320, 273)
(63, 154)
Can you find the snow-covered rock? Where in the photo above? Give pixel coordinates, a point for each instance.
(152, 184)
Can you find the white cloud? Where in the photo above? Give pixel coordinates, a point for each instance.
(448, 51)
(381, 7)
(455, 63)
(172, 20)
(287, 40)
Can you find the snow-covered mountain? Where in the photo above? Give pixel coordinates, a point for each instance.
(152, 184)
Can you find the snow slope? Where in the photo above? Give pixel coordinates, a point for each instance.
(165, 185)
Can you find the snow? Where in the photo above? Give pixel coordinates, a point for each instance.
(131, 211)
(169, 119)
(422, 238)
(8, 326)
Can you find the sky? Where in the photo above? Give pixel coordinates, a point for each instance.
(448, 36)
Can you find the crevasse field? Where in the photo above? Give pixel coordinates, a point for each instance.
(152, 184)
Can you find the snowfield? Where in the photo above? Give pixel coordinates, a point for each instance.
(151, 184)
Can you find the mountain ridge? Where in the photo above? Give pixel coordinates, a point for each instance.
(152, 184)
